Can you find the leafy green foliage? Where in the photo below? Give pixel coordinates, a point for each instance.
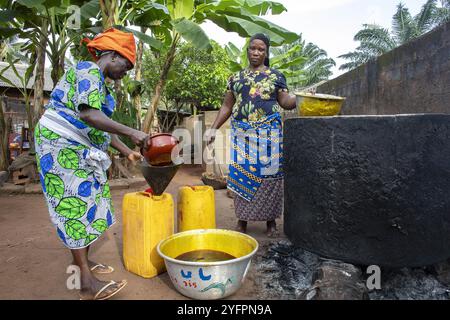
(302, 63)
(242, 16)
(197, 77)
(125, 112)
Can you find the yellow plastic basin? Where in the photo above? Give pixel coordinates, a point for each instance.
(208, 280)
(318, 104)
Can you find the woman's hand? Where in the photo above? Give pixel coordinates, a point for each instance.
(117, 144)
(223, 115)
(134, 156)
(140, 139)
(210, 136)
(286, 101)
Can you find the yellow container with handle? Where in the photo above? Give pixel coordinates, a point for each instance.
(196, 208)
(147, 220)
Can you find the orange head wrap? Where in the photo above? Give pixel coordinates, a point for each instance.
(114, 40)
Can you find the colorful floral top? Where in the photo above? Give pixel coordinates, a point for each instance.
(256, 93)
(84, 84)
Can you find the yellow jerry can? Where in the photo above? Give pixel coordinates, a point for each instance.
(196, 208)
(147, 219)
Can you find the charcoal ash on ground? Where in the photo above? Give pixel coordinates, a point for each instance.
(288, 272)
(284, 272)
(411, 284)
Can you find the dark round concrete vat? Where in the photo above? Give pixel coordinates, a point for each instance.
(369, 189)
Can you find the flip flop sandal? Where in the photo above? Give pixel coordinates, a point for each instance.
(121, 284)
(102, 269)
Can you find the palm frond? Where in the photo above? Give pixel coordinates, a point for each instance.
(319, 71)
(425, 20)
(377, 35)
(349, 66)
(375, 49)
(403, 25)
(442, 14)
(314, 53)
(356, 58)
(303, 63)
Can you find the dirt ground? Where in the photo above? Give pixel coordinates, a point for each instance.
(33, 261)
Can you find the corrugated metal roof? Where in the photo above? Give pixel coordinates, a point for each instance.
(21, 69)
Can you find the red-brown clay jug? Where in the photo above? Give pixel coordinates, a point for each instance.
(160, 151)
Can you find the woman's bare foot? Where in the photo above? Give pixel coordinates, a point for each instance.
(272, 231)
(241, 226)
(91, 287)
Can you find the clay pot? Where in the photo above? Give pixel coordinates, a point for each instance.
(159, 153)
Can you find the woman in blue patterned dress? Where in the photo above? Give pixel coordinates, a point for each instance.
(72, 138)
(254, 99)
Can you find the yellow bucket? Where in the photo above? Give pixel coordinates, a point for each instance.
(309, 105)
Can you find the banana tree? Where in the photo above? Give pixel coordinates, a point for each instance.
(41, 28)
(39, 79)
(32, 18)
(174, 20)
(290, 62)
(119, 14)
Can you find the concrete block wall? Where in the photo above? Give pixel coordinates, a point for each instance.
(413, 78)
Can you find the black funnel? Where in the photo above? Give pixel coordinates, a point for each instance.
(159, 177)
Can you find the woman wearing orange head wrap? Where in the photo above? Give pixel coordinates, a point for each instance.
(72, 138)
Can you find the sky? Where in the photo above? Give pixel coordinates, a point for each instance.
(330, 24)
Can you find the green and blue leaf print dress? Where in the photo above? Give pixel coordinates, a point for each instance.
(79, 201)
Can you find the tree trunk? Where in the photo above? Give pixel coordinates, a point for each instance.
(61, 64)
(138, 77)
(176, 117)
(119, 93)
(4, 163)
(57, 72)
(58, 63)
(108, 8)
(149, 117)
(26, 93)
(2, 47)
(39, 81)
